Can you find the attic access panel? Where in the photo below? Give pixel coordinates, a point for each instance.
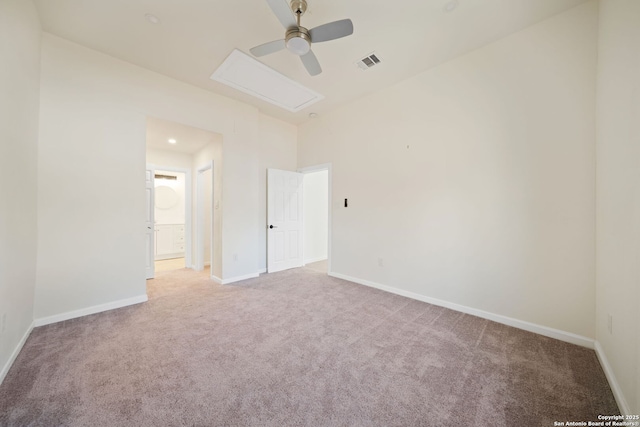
(242, 72)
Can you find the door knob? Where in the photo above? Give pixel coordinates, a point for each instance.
(273, 226)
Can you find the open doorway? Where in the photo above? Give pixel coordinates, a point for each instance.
(317, 217)
(299, 219)
(175, 153)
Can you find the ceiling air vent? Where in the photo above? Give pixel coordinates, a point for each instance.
(369, 61)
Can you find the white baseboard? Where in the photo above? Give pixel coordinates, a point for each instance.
(613, 382)
(520, 324)
(14, 355)
(234, 279)
(311, 260)
(90, 310)
(169, 256)
(262, 271)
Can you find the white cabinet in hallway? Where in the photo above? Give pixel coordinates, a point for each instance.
(178, 239)
(169, 241)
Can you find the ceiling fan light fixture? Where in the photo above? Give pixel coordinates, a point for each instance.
(298, 46)
(298, 41)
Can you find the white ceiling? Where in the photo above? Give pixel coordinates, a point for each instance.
(195, 36)
(189, 139)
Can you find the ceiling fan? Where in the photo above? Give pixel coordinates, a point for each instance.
(298, 39)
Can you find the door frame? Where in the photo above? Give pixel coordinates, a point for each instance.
(150, 272)
(187, 205)
(319, 168)
(198, 263)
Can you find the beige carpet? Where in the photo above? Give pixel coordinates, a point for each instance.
(295, 348)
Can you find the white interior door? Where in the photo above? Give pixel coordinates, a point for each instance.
(149, 224)
(284, 220)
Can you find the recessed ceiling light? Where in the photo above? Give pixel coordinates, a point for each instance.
(172, 141)
(313, 115)
(152, 18)
(450, 6)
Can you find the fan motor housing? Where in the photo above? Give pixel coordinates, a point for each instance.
(299, 6)
(298, 40)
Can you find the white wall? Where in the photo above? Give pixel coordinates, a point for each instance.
(316, 219)
(169, 158)
(474, 181)
(92, 157)
(618, 195)
(278, 150)
(19, 99)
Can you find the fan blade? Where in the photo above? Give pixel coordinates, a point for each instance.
(311, 63)
(331, 31)
(267, 48)
(283, 12)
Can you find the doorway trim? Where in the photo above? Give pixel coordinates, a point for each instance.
(198, 263)
(149, 183)
(187, 207)
(319, 168)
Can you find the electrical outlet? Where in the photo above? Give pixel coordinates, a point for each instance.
(380, 262)
(610, 323)
(4, 323)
